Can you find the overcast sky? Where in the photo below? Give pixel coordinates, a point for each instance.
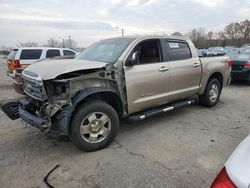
(90, 20)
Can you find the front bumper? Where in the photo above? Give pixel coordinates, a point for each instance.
(30, 118)
(58, 123)
(240, 75)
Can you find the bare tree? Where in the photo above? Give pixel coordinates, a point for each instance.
(27, 44)
(245, 29)
(177, 34)
(232, 30)
(70, 43)
(53, 43)
(210, 35)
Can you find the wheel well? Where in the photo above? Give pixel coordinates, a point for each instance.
(218, 76)
(108, 97)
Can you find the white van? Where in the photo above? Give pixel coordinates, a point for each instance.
(23, 57)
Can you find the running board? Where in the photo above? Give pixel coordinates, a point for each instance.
(149, 113)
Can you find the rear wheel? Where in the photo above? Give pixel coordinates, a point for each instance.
(211, 94)
(94, 126)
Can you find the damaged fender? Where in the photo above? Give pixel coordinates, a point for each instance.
(61, 121)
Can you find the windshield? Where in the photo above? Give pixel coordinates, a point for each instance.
(107, 51)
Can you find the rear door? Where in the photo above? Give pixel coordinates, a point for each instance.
(52, 53)
(184, 70)
(68, 53)
(147, 82)
(29, 56)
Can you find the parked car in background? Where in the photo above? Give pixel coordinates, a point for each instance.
(17, 81)
(227, 48)
(4, 53)
(127, 77)
(232, 52)
(236, 172)
(202, 52)
(23, 57)
(245, 49)
(241, 67)
(217, 50)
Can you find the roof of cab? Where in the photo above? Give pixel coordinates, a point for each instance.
(154, 36)
(43, 48)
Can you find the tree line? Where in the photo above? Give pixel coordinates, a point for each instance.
(234, 34)
(51, 42)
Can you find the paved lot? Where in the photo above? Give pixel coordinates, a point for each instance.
(184, 148)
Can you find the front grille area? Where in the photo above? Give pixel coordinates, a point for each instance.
(34, 88)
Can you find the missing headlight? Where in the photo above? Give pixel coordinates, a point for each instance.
(59, 90)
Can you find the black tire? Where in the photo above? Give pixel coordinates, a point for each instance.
(82, 113)
(205, 99)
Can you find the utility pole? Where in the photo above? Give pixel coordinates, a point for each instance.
(121, 30)
(70, 42)
(63, 43)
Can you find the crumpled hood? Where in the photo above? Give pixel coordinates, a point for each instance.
(238, 164)
(50, 69)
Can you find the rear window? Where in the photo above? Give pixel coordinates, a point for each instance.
(68, 53)
(178, 51)
(12, 54)
(31, 54)
(244, 56)
(52, 53)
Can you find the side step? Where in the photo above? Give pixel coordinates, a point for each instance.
(148, 113)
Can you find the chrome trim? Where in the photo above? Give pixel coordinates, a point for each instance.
(35, 88)
(196, 64)
(39, 78)
(163, 69)
(142, 117)
(168, 109)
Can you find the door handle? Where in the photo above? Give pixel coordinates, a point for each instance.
(163, 69)
(196, 64)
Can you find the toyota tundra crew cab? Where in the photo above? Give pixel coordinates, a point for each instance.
(128, 77)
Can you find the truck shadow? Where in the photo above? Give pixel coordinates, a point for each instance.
(42, 141)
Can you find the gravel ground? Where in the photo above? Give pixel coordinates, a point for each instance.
(183, 148)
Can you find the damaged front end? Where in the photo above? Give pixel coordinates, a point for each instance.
(49, 104)
(43, 103)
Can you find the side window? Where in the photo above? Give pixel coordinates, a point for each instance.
(52, 53)
(178, 51)
(68, 53)
(148, 51)
(30, 54)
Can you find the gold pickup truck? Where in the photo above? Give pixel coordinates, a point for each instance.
(128, 77)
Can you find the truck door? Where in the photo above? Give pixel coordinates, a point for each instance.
(184, 70)
(147, 81)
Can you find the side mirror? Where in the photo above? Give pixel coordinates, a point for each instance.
(134, 59)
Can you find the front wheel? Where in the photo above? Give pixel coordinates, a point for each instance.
(94, 126)
(211, 94)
